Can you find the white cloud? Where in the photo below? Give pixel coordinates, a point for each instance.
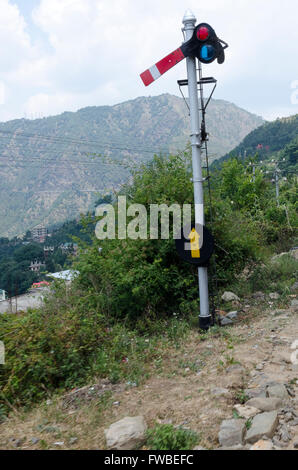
(14, 39)
(2, 93)
(97, 48)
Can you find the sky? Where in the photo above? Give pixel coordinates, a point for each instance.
(63, 55)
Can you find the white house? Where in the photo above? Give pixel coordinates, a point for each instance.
(2, 295)
(68, 275)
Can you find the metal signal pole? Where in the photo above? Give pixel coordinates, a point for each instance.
(189, 22)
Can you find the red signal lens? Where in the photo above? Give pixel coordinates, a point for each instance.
(203, 33)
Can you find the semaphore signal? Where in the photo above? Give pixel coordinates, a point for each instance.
(202, 44)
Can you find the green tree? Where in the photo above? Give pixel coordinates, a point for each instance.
(29, 253)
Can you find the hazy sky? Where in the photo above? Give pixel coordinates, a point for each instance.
(62, 55)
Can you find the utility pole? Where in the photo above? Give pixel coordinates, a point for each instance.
(16, 297)
(277, 183)
(253, 172)
(189, 22)
(201, 43)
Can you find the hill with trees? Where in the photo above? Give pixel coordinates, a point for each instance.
(132, 294)
(17, 254)
(53, 169)
(276, 140)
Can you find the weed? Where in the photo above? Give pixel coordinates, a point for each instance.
(167, 437)
(241, 397)
(294, 381)
(248, 424)
(43, 444)
(3, 415)
(230, 361)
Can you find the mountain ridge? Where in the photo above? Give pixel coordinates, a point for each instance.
(48, 168)
(278, 139)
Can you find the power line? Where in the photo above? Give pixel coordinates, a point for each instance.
(61, 191)
(69, 140)
(104, 160)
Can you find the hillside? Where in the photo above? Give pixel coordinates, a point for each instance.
(123, 339)
(47, 172)
(193, 381)
(278, 139)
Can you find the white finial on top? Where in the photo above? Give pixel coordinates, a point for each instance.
(189, 17)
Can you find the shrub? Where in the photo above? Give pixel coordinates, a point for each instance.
(68, 343)
(167, 437)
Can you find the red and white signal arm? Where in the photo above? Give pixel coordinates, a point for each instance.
(161, 67)
(204, 45)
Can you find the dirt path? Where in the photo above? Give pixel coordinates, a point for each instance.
(195, 386)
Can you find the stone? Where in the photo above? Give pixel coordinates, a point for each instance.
(278, 313)
(265, 404)
(220, 392)
(232, 315)
(224, 321)
(288, 417)
(59, 444)
(235, 367)
(280, 255)
(278, 444)
(277, 391)
(229, 297)
(238, 447)
(274, 296)
(73, 440)
(34, 440)
(199, 448)
(294, 303)
(17, 442)
(262, 445)
(294, 287)
(255, 393)
(258, 295)
(127, 434)
(294, 422)
(233, 380)
(281, 357)
(264, 424)
(295, 445)
(294, 253)
(246, 412)
(231, 432)
(284, 434)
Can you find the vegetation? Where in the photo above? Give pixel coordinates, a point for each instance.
(16, 256)
(69, 342)
(168, 437)
(54, 166)
(133, 296)
(278, 139)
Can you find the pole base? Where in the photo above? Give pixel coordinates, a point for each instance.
(205, 323)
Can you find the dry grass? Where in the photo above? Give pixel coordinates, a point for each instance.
(179, 390)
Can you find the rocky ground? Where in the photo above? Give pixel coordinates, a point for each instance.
(236, 387)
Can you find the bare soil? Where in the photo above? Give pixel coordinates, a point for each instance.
(182, 389)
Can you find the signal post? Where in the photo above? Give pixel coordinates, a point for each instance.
(201, 43)
(189, 22)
